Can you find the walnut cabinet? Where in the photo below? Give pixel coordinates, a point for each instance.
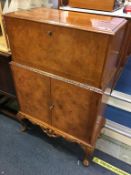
(64, 105)
(62, 64)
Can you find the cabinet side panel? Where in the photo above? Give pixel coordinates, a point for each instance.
(33, 91)
(113, 61)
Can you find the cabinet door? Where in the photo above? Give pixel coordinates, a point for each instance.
(78, 55)
(33, 91)
(75, 109)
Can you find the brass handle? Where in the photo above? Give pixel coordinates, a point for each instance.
(51, 107)
(50, 33)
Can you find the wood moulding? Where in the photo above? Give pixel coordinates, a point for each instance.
(54, 132)
(51, 131)
(50, 75)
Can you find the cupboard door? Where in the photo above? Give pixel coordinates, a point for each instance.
(75, 109)
(33, 91)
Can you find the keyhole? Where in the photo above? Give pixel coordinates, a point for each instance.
(50, 33)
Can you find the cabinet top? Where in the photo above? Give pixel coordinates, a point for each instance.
(88, 22)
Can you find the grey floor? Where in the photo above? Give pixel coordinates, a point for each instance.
(33, 153)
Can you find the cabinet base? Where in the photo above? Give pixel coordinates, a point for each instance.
(54, 132)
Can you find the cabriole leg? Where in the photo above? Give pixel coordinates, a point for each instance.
(87, 152)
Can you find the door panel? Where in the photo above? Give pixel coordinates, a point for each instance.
(78, 55)
(33, 91)
(75, 109)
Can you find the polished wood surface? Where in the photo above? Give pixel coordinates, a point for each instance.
(56, 102)
(124, 53)
(108, 5)
(72, 115)
(33, 92)
(81, 55)
(113, 63)
(69, 19)
(62, 64)
(126, 46)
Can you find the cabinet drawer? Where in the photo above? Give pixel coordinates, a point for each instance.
(33, 91)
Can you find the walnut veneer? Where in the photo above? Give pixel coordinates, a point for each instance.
(62, 63)
(108, 5)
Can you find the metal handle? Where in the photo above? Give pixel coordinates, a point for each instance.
(51, 107)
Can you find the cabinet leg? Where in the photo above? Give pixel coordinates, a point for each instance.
(86, 162)
(87, 155)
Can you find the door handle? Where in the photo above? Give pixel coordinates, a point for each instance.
(51, 107)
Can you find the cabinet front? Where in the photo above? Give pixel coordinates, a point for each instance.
(75, 109)
(64, 106)
(71, 53)
(33, 91)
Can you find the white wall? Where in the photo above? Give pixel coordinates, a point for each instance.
(24, 4)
